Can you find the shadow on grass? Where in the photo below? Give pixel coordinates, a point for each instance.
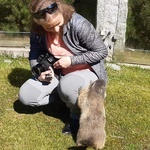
(18, 76)
(77, 148)
(56, 109)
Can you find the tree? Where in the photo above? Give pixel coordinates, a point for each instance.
(138, 26)
(87, 8)
(15, 15)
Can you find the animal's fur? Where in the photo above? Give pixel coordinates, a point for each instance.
(92, 132)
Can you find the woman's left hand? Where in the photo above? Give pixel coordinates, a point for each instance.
(47, 76)
(63, 62)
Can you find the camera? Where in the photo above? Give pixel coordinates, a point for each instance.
(44, 62)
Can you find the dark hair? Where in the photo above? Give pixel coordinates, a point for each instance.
(36, 5)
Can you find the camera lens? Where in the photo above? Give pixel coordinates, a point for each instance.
(45, 61)
(36, 70)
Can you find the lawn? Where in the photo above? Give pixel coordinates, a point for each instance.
(24, 128)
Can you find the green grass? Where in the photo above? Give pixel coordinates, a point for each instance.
(127, 110)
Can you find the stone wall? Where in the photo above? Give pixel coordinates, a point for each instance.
(109, 18)
(111, 23)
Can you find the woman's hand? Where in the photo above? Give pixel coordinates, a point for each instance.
(47, 75)
(63, 62)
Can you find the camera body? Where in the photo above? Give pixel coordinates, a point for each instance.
(44, 62)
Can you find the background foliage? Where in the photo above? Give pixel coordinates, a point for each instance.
(138, 24)
(15, 16)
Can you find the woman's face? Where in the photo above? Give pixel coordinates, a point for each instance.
(51, 18)
(53, 24)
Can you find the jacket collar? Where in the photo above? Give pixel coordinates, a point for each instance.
(66, 27)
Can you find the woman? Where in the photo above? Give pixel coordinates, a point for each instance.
(78, 50)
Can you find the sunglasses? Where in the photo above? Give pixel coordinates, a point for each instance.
(50, 9)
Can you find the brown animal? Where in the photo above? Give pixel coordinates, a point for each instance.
(92, 132)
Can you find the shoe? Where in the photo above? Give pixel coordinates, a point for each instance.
(72, 127)
(66, 129)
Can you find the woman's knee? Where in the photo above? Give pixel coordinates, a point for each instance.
(28, 94)
(35, 93)
(69, 86)
(22, 96)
